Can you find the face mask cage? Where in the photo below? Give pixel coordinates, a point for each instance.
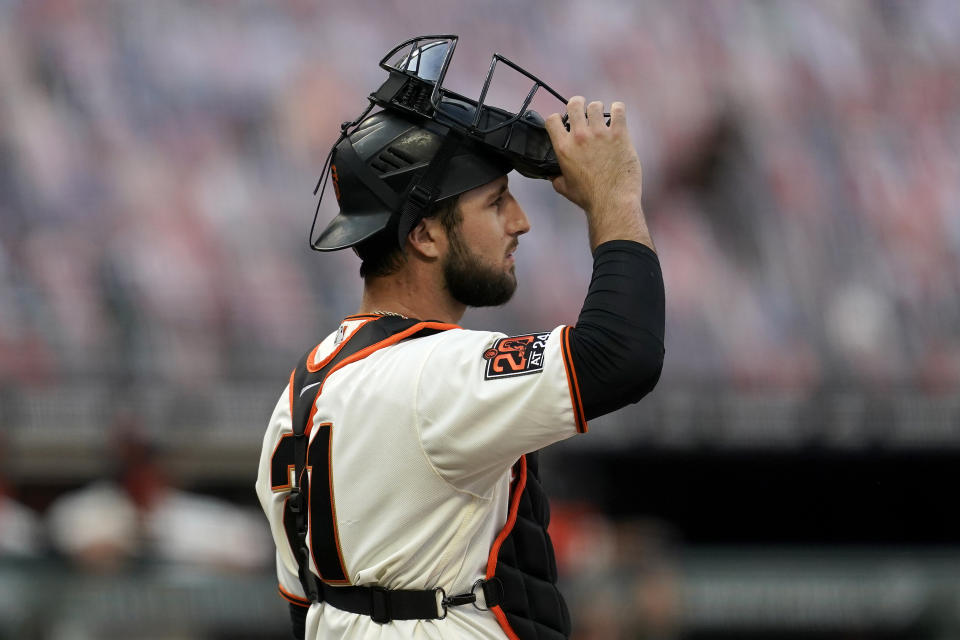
(417, 70)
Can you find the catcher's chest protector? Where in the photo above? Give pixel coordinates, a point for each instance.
(532, 607)
(521, 558)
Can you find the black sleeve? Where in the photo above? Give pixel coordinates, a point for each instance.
(617, 344)
(298, 617)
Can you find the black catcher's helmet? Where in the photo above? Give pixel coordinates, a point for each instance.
(428, 144)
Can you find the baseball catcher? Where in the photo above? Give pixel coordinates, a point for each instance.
(399, 468)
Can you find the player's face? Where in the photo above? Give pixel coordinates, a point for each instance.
(479, 267)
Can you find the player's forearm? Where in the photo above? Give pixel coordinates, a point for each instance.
(618, 217)
(601, 171)
(617, 344)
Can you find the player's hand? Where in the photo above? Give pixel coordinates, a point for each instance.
(601, 171)
(599, 163)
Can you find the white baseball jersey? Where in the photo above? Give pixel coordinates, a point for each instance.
(422, 437)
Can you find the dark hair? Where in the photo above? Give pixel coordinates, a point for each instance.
(382, 256)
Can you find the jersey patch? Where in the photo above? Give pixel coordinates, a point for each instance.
(515, 356)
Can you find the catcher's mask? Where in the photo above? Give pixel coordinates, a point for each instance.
(428, 144)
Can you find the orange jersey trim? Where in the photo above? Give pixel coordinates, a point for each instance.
(519, 485)
(313, 368)
(572, 383)
(292, 373)
(292, 599)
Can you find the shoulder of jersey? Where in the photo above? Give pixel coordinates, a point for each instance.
(331, 345)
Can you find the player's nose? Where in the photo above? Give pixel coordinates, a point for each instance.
(518, 223)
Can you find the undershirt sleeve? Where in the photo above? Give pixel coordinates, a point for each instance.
(617, 343)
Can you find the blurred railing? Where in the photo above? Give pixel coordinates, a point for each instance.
(873, 593)
(216, 432)
(817, 591)
(46, 599)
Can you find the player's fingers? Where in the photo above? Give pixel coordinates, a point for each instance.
(555, 128)
(576, 113)
(595, 115)
(618, 116)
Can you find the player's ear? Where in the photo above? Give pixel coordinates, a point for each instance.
(427, 238)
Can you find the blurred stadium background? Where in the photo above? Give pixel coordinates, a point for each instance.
(791, 476)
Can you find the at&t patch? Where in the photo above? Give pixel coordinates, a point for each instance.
(515, 356)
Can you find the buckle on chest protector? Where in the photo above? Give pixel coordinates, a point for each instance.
(445, 601)
(492, 591)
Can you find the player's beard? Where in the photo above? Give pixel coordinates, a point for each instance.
(472, 282)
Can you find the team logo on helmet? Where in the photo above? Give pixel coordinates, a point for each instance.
(336, 181)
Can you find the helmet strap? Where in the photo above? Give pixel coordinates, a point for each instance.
(423, 192)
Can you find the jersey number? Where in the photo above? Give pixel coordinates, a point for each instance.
(318, 485)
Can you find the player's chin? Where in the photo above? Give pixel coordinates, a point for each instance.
(513, 283)
(478, 286)
(511, 277)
